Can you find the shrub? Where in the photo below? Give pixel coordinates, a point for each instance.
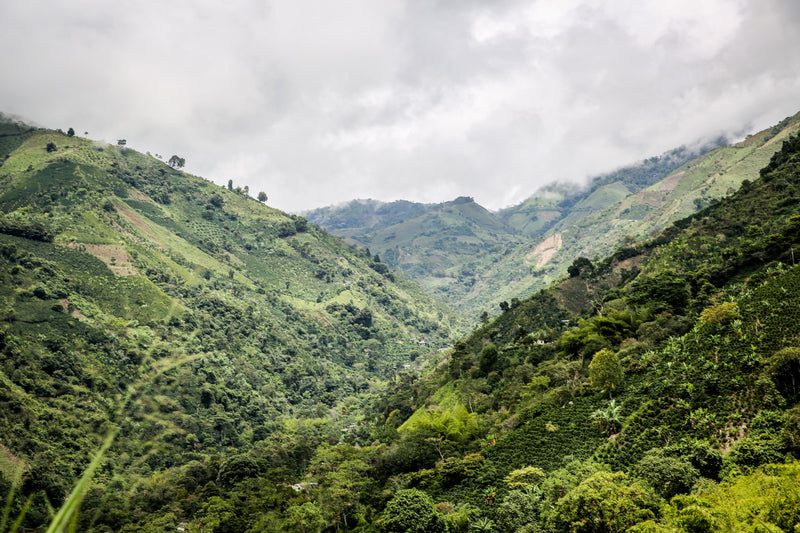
(719, 314)
(605, 371)
(604, 502)
(668, 476)
(411, 511)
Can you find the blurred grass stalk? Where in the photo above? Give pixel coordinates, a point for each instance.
(66, 517)
(16, 482)
(68, 513)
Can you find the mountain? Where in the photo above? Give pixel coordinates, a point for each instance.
(563, 205)
(190, 316)
(525, 247)
(441, 246)
(653, 389)
(366, 216)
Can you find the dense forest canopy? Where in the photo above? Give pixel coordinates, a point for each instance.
(232, 368)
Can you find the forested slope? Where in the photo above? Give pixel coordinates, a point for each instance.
(658, 371)
(653, 390)
(648, 391)
(195, 319)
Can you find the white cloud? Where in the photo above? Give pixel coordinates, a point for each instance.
(317, 102)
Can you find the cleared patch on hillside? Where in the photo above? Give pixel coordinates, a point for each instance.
(544, 251)
(115, 257)
(67, 305)
(10, 463)
(671, 182)
(136, 194)
(138, 223)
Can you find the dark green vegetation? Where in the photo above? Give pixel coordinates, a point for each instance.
(474, 259)
(237, 327)
(654, 390)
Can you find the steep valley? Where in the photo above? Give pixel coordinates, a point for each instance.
(177, 356)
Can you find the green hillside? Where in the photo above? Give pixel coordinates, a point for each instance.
(473, 260)
(192, 317)
(603, 219)
(441, 246)
(652, 390)
(465, 256)
(359, 216)
(562, 205)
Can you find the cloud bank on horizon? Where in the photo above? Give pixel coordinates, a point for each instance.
(318, 102)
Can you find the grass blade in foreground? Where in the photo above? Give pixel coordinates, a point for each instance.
(71, 506)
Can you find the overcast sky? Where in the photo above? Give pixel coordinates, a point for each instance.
(319, 102)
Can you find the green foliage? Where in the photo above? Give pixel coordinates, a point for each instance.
(235, 469)
(764, 500)
(302, 386)
(454, 425)
(68, 512)
(605, 371)
(604, 502)
(608, 419)
(305, 518)
(411, 511)
(667, 476)
(581, 266)
(520, 508)
(528, 477)
(488, 359)
(783, 368)
(176, 162)
(719, 314)
(111, 266)
(665, 291)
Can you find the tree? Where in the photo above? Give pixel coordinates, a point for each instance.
(176, 162)
(605, 371)
(215, 200)
(783, 367)
(604, 503)
(236, 469)
(579, 266)
(518, 508)
(70, 132)
(411, 511)
(666, 291)
(527, 477)
(300, 224)
(343, 481)
(262, 197)
(305, 518)
(487, 359)
(51, 147)
(668, 476)
(121, 142)
(230, 185)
